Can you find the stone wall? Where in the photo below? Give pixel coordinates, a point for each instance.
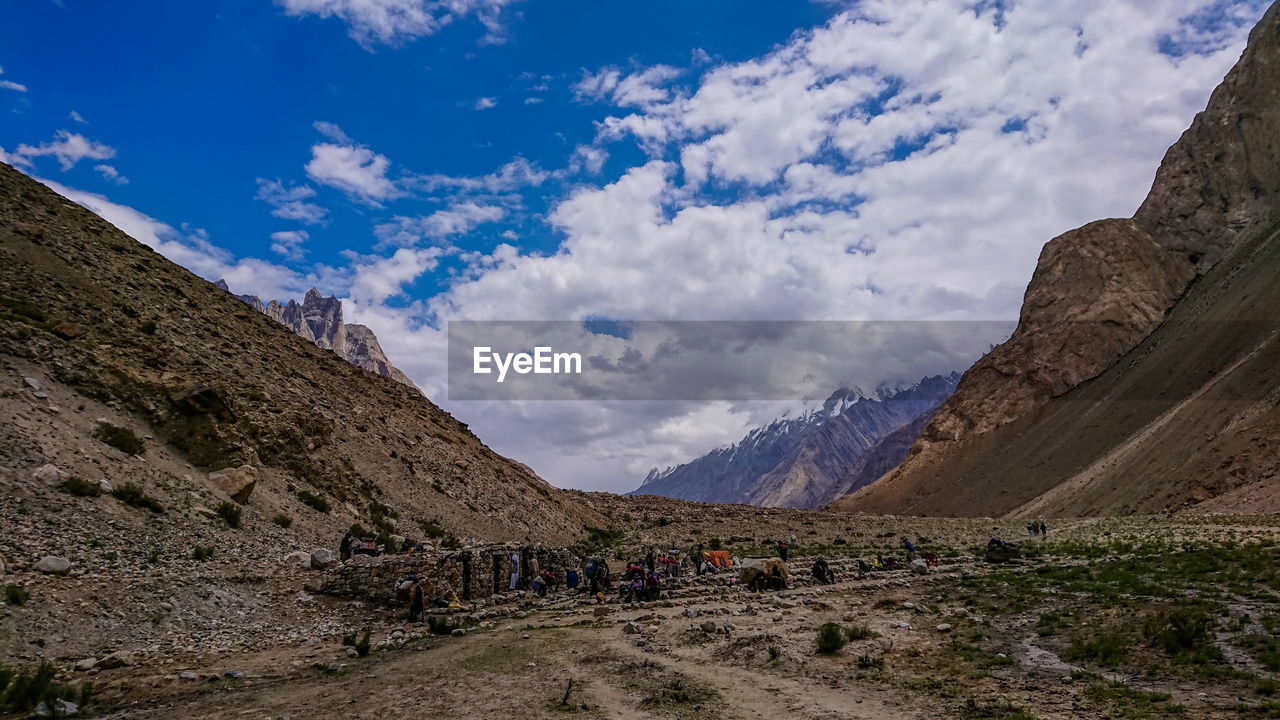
(477, 575)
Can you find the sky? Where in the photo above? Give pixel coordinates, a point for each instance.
(430, 161)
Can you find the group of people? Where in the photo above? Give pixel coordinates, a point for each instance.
(1037, 528)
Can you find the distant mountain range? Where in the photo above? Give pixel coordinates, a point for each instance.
(319, 319)
(809, 460)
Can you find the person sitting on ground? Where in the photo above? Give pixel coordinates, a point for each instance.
(822, 572)
(538, 585)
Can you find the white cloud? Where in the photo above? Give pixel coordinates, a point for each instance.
(353, 169)
(68, 148)
(484, 103)
(459, 219)
(394, 22)
(377, 279)
(77, 117)
(290, 203)
(513, 175)
(10, 85)
(643, 89)
(111, 174)
(289, 243)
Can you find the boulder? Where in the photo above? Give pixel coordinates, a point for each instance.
(631, 629)
(49, 474)
(237, 483)
(86, 664)
(105, 486)
(708, 626)
(119, 658)
(202, 400)
(919, 567)
(54, 565)
(299, 559)
(944, 628)
(322, 558)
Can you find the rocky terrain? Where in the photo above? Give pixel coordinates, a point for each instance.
(1140, 377)
(809, 460)
(242, 637)
(319, 319)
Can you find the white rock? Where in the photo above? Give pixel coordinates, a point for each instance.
(322, 558)
(299, 559)
(944, 628)
(86, 664)
(54, 565)
(33, 383)
(49, 474)
(237, 483)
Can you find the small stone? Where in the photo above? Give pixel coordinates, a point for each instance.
(708, 626)
(188, 675)
(86, 664)
(944, 628)
(33, 383)
(233, 674)
(61, 708)
(352, 652)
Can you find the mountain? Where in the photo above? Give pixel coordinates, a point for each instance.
(105, 344)
(319, 319)
(1141, 376)
(805, 461)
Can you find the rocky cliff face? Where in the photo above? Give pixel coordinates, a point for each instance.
(198, 382)
(801, 462)
(319, 319)
(1101, 308)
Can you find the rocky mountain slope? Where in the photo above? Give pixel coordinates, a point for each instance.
(1141, 376)
(120, 366)
(319, 319)
(805, 461)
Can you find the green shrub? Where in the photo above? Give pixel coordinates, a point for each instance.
(449, 542)
(715, 543)
(80, 488)
(133, 496)
(431, 529)
(362, 645)
(315, 502)
(200, 553)
(282, 520)
(230, 514)
(775, 652)
(1107, 648)
(860, 632)
(23, 692)
(16, 594)
(831, 639)
(120, 438)
(1178, 630)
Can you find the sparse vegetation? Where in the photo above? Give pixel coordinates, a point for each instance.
(132, 495)
(860, 632)
(16, 594)
(831, 639)
(230, 514)
(282, 520)
(80, 488)
(315, 502)
(120, 438)
(26, 691)
(201, 553)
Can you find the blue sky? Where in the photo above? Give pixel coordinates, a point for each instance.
(201, 99)
(432, 160)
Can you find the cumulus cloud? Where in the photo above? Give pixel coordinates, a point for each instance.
(394, 22)
(352, 168)
(377, 279)
(460, 218)
(68, 148)
(484, 103)
(111, 174)
(291, 202)
(289, 243)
